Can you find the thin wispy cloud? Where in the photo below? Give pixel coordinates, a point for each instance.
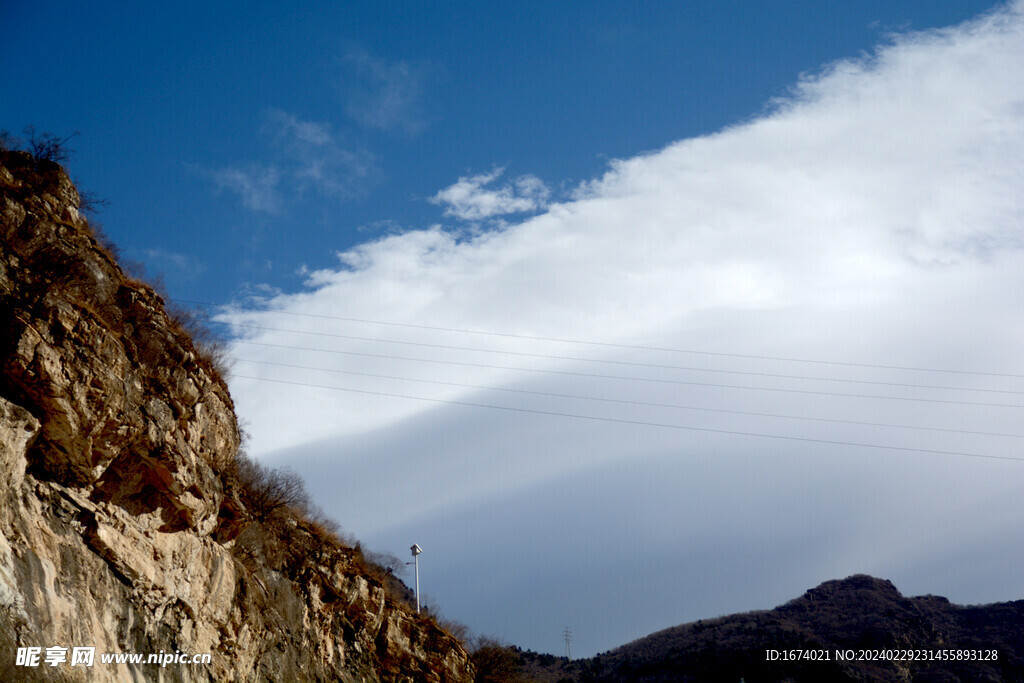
(873, 216)
(301, 157)
(474, 198)
(289, 129)
(257, 185)
(182, 265)
(319, 159)
(384, 94)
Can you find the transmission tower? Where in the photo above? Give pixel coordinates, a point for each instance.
(568, 640)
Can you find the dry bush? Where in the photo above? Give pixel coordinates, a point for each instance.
(33, 165)
(194, 322)
(327, 527)
(385, 561)
(456, 629)
(47, 146)
(283, 542)
(495, 662)
(90, 202)
(8, 142)
(105, 243)
(265, 490)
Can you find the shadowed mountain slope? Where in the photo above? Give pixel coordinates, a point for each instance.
(928, 638)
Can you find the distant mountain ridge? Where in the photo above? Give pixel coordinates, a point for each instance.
(860, 619)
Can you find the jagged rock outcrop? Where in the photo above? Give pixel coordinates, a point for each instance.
(118, 527)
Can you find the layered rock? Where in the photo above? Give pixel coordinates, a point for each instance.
(117, 526)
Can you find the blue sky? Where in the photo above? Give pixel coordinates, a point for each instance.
(787, 235)
(412, 96)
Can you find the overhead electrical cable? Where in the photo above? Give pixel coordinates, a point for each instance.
(658, 380)
(830, 442)
(631, 402)
(237, 309)
(658, 366)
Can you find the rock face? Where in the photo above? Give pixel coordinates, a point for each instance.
(118, 526)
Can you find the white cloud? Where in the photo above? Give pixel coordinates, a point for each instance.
(290, 129)
(184, 265)
(469, 199)
(256, 185)
(873, 217)
(303, 156)
(386, 95)
(319, 160)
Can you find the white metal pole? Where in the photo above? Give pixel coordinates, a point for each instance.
(416, 560)
(416, 550)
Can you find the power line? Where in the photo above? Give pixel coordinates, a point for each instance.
(639, 422)
(605, 344)
(635, 379)
(632, 402)
(622, 362)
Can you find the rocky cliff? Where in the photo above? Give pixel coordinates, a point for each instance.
(122, 526)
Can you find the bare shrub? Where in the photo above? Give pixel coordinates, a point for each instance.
(47, 146)
(495, 662)
(328, 527)
(386, 561)
(195, 322)
(456, 629)
(91, 203)
(8, 142)
(107, 244)
(266, 490)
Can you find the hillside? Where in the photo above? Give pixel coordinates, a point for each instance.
(860, 613)
(128, 520)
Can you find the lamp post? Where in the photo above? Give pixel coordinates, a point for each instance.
(416, 550)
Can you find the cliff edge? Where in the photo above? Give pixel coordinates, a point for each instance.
(123, 526)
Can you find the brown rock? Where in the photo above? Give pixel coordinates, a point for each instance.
(120, 525)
